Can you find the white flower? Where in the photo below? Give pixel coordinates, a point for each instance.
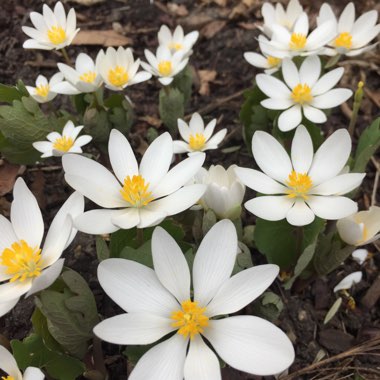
(84, 78)
(25, 266)
(304, 92)
(140, 195)
(277, 15)
(177, 41)
(361, 228)
(197, 137)
(164, 64)
(159, 302)
(285, 43)
(351, 37)
(266, 61)
(60, 144)
(349, 281)
(224, 193)
(43, 91)
(360, 256)
(304, 185)
(52, 30)
(9, 366)
(119, 69)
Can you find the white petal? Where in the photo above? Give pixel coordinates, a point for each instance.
(251, 344)
(6, 307)
(350, 231)
(270, 156)
(162, 362)
(332, 207)
(314, 114)
(270, 207)
(321, 35)
(196, 123)
(256, 60)
(47, 277)
(184, 130)
(259, 181)
(300, 214)
(128, 219)
(349, 281)
(302, 24)
(170, 265)
(277, 104)
(327, 81)
(26, 215)
(290, 119)
(290, 73)
(180, 147)
(331, 98)
(133, 328)
(9, 291)
(214, 261)
(310, 70)
(149, 218)
(272, 87)
(201, 362)
(82, 140)
(217, 138)
(8, 364)
(331, 157)
(342, 184)
(347, 18)
(92, 180)
(97, 222)
(135, 287)
(33, 373)
(33, 44)
(165, 81)
(360, 256)
(7, 235)
(302, 150)
(241, 289)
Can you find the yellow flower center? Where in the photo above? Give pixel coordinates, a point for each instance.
(175, 46)
(135, 191)
(63, 143)
(297, 41)
(21, 261)
(56, 35)
(299, 185)
(197, 142)
(302, 94)
(118, 76)
(273, 61)
(344, 40)
(42, 90)
(165, 68)
(88, 77)
(7, 378)
(190, 319)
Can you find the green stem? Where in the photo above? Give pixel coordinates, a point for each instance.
(66, 56)
(98, 357)
(299, 241)
(357, 103)
(140, 237)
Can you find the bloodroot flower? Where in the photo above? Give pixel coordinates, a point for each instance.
(304, 185)
(44, 92)
(159, 302)
(177, 41)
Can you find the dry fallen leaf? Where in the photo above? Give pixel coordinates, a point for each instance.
(8, 174)
(205, 77)
(248, 25)
(88, 2)
(214, 27)
(101, 37)
(177, 10)
(221, 3)
(153, 121)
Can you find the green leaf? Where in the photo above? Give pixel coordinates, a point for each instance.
(183, 82)
(142, 255)
(102, 250)
(269, 306)
(121, 239)
(243, 258)
(9, 93)
(278, 240)
(209, 219)
(171, 107)
(368, 144)
(332, 311)
(134, 353)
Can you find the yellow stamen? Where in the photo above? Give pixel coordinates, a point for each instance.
(273, 61)
(297, 41)
(56, 35)
(299, 185)
(190, 319)
(344, 40)
(7, 378)
(21, 261)
(165, 68)
(63, 143)
(42, 90)
(135, 191)
(197, 142)
(88, 77)
(175, 46)
(301, 94)
(118, 76)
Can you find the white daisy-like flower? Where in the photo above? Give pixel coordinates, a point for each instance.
(278, 15)
(198, 138)
(140, 195)
(159, 302)
(60, 144)
(177, 41)
(164, 65)
(52, 29)
(361, 228)
(43, 92)
(265, 60)
(225, 192)
(119, 69)
(304, 92)
(285, 43)
(84, 78)
(25, 266)
(304, 185)
(9, 365)
(351, 37)
(349, 281)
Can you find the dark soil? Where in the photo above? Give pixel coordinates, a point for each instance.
(226, 32)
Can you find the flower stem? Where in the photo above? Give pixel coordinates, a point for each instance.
(140, 237)
(299, 241)
(98, 356)
(358, 97)
(66, 56)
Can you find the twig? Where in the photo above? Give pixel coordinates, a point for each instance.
(376, 181)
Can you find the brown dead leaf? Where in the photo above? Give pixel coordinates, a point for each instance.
(8, 174)
(205, 77)
(214, 27)
(177, 10)
(153, 121)
(88, 2)
(248, 25)
(38, 189)
(373, 95)
(101, 37)
(221, 3)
